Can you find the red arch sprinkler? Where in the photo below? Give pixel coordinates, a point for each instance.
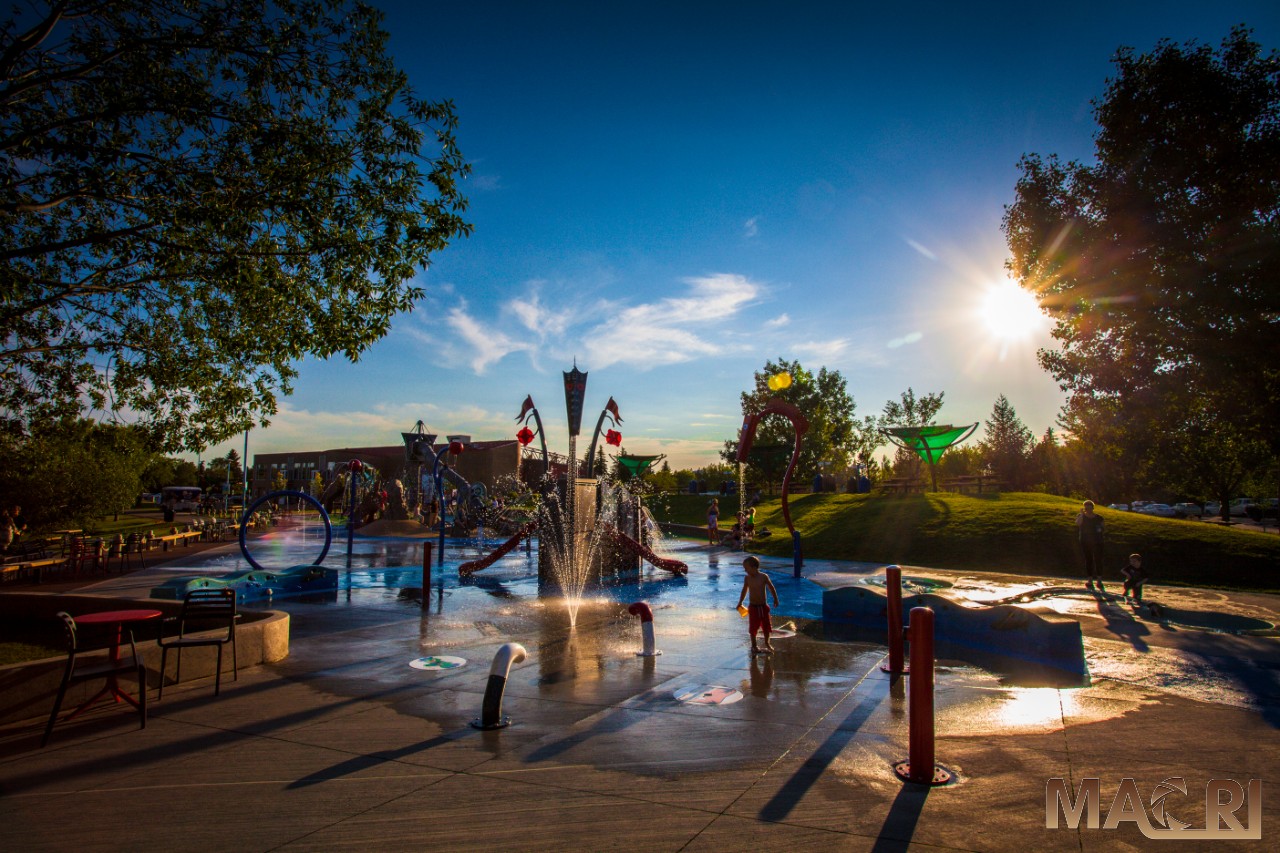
(800, 424)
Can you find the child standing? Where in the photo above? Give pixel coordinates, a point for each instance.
(758, 584)
(713, 522)
(1134, 577)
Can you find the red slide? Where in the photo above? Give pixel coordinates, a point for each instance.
(654, 560)
(504, 549)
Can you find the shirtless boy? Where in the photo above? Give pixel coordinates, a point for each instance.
(758, 584)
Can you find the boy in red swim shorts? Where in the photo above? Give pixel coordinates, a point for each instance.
(758, 584)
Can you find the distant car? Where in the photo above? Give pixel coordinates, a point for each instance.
(1121, 507)
(1136, 506)
(1267, 509)
(1161, 510)
(1187, 510)
(1240, 506)
(1213, 508)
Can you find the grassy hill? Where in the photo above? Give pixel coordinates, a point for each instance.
(1027, 533)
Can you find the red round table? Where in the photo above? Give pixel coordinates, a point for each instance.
(119, 618)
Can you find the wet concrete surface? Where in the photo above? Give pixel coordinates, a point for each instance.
(344, 745)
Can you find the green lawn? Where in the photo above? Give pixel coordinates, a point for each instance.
(18, 652)
(1015, 532)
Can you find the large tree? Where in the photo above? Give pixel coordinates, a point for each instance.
(1006, 444)
(1160, 260)
(823, 398)
(75, 472)
(196, 194)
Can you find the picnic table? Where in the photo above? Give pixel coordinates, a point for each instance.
(902, 485)
(975, 482)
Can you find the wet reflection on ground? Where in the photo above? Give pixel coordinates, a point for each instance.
(1205, 645)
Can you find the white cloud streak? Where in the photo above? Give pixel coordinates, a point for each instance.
(909, 338)
(489, 345)
(662, 332)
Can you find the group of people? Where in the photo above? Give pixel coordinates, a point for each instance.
(744, 526)
(1090, 530)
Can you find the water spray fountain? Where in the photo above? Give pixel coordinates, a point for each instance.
(587, 529)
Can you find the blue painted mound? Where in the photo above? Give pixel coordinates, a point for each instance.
(255, 584)
(1002, 636)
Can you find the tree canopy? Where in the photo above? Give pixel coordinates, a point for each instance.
(1159, 261)
(75, 472)
(198, 194)
(823, 398)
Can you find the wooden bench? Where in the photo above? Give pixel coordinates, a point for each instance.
(174, 538)
(26, 568)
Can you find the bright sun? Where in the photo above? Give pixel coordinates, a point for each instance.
(1010, 312)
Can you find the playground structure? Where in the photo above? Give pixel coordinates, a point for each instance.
(800, 424)
(588, 530)
(929, 442)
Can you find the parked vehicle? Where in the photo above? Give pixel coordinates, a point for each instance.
(1187, 510)
(1121, 507)
(1240, 506)
(1267, 509)
(1213, 509)
(1161, 510)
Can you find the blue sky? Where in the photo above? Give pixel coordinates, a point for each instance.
(674, 193)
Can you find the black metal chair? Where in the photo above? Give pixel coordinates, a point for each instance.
(132, 547)
(203, 611)
(77, 671)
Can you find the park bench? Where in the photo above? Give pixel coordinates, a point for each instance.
(184, 537)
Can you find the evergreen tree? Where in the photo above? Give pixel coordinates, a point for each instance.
(1006, 445)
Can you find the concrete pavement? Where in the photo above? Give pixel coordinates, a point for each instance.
(344, 746)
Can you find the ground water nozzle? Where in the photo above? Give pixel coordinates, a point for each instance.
(645, 612)
(491, 711)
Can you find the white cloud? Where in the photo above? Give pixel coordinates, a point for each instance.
(909, 338)
(825, 351)
(778, 322)
(751, 227)
(489, 344)
(658, 333)
(536, 317)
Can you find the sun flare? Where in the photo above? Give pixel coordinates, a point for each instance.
(1010, 313)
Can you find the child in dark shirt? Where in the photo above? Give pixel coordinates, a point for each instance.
(1134, 577)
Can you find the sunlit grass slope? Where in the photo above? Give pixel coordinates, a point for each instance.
(1015, 532)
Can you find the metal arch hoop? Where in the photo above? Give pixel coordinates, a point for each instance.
(248, 513)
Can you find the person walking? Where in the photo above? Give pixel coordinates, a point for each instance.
(713, 522)
(1090, 528)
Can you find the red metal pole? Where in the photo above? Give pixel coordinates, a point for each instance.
(919, 766)
(893, 605)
